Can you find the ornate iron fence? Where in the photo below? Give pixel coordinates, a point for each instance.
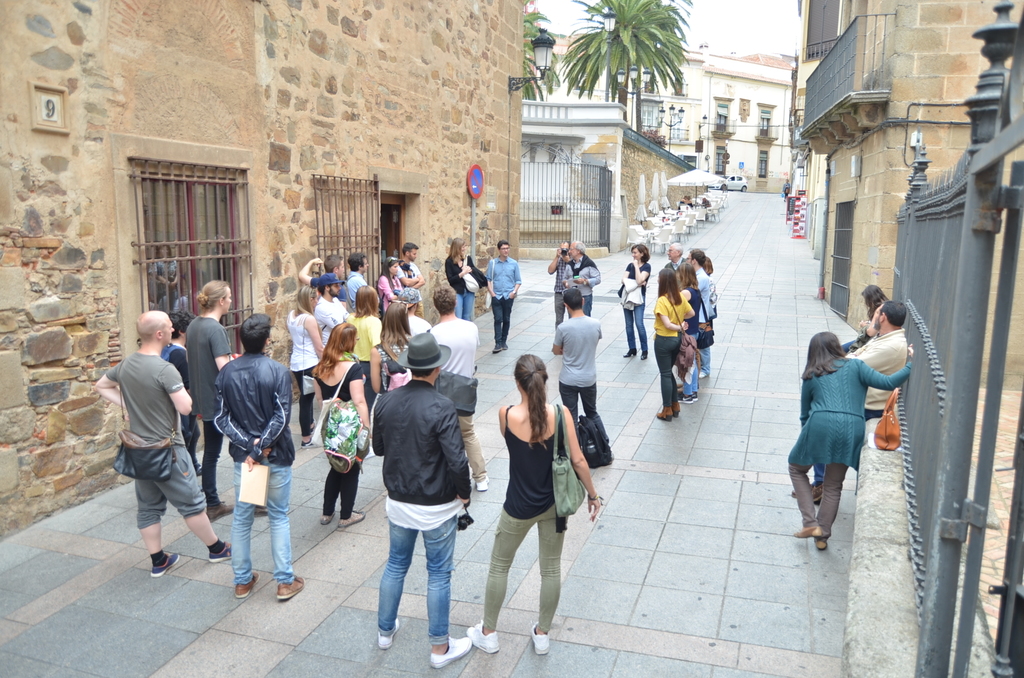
(947, 237)
(565, 201)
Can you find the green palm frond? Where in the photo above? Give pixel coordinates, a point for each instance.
(551, 79)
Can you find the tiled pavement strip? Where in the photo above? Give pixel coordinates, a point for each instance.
(691, 570)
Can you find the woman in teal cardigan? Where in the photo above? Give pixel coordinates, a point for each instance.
(832, 421)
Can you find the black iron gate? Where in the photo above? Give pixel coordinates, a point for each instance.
(944, 262)
(565, 201)
(348, 218)
(842, 250)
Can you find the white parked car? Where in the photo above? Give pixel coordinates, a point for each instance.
(734, 183)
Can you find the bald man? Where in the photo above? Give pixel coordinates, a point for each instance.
(152, 392)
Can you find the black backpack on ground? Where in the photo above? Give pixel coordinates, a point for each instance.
(597, 449)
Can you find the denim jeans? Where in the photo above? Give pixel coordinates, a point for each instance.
(440, 547)
(502, 309)
(464, 305)
(691, 384)
(213, 440)
(635, 316)
(278, 496)
(588, 304)
(705, 360)
(665, 350)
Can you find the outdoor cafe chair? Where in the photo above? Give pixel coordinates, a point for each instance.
(664, 238)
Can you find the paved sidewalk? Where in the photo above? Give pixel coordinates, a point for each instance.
(691, 569)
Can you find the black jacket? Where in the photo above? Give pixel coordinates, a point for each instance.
(416, 431)
(254, 400)
(452, 271)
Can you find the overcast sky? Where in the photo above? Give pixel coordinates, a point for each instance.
(741, 26)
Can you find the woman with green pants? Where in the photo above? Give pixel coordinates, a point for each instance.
(529, 430)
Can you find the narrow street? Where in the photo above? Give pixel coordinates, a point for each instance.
(691, 569)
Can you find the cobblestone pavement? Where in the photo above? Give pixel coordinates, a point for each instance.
(691, 570)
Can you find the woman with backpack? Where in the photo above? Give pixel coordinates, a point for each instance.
(691, 292)
(307, 348)
(702, 266)
(385, 372)
(339, 373)
(367, 322)
(529, 431)
(672, 315)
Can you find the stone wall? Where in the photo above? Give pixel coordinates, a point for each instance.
(411, 92)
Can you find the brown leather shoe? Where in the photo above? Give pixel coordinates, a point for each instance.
(675, 409)
(243, 590)
(665, 414)
(816, 493)
(218, 511)
(289, 591)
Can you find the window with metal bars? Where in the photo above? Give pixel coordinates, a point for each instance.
(192, 228)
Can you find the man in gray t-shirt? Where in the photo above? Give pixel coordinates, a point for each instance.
(151, 391)
(576, 341)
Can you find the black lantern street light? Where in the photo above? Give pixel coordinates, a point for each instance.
(645, 78)
(707, 155)
(675, 119)
(609, 26)
(543, 46)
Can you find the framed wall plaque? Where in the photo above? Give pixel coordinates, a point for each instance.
(49, 108)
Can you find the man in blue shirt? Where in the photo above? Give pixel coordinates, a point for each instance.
(503, 282)
(357, 267)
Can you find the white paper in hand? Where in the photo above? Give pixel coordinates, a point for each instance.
(254, 485)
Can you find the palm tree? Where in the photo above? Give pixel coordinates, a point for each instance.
(551, 80)
(648, 34)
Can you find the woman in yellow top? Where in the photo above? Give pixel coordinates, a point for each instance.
(368, 326)
(670, 313)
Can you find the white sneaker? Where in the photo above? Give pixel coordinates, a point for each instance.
(488, 644)
(704, 375)
(456, 649)
(482, 485)
(540, 641)
(384, 642)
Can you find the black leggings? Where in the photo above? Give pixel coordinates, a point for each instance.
(305, 403)
(344, 484)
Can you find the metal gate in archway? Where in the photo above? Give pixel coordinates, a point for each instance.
(565, 201)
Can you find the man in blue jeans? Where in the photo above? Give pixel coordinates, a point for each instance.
(503, 282)
(426, 473)
(255, 408)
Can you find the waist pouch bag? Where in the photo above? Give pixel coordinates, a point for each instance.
(141, 461)
(569, 491)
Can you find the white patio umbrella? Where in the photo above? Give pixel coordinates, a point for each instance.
(641, 210)
(696, 177)
(664, 192)
(655, 192)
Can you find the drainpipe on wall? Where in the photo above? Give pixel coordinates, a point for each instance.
(824, 244)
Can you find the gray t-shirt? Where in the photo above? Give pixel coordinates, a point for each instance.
(207, 341)
(578, 338)
(146, 383)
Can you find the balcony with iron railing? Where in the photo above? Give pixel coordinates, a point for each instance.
(768, 133)
(723, 128)
(850, 86)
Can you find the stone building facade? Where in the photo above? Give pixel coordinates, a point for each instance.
(206, 124)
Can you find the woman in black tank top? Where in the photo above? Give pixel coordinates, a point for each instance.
(529, 429)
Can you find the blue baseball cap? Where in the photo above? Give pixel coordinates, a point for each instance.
(325, 280)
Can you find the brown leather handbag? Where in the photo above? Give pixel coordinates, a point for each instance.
(887, 433)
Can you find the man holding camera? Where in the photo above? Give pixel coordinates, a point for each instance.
(560, 268)
(426, 474)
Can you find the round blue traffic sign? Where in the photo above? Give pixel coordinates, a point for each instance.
(475, 181)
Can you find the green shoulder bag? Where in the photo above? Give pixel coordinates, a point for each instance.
(569, 491)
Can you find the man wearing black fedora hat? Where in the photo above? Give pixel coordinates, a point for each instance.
(426, 472)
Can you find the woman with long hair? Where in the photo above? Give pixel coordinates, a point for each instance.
(339, 366)
(307, 348)
(529, 430)
(832, 427)
(394, 339)
(873, 297)
(208, 352)
(388, 286)
(457, 266)
(368, 324)
(640, 271)
(670, 314)
(703, 267)
(687, 278)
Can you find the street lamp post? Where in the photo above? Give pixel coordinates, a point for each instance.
(543, 46)
(675, 119)
(609, 26)
(707, 153)
(640, 87)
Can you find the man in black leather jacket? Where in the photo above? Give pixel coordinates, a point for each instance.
(426, 472)
(254, 408)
